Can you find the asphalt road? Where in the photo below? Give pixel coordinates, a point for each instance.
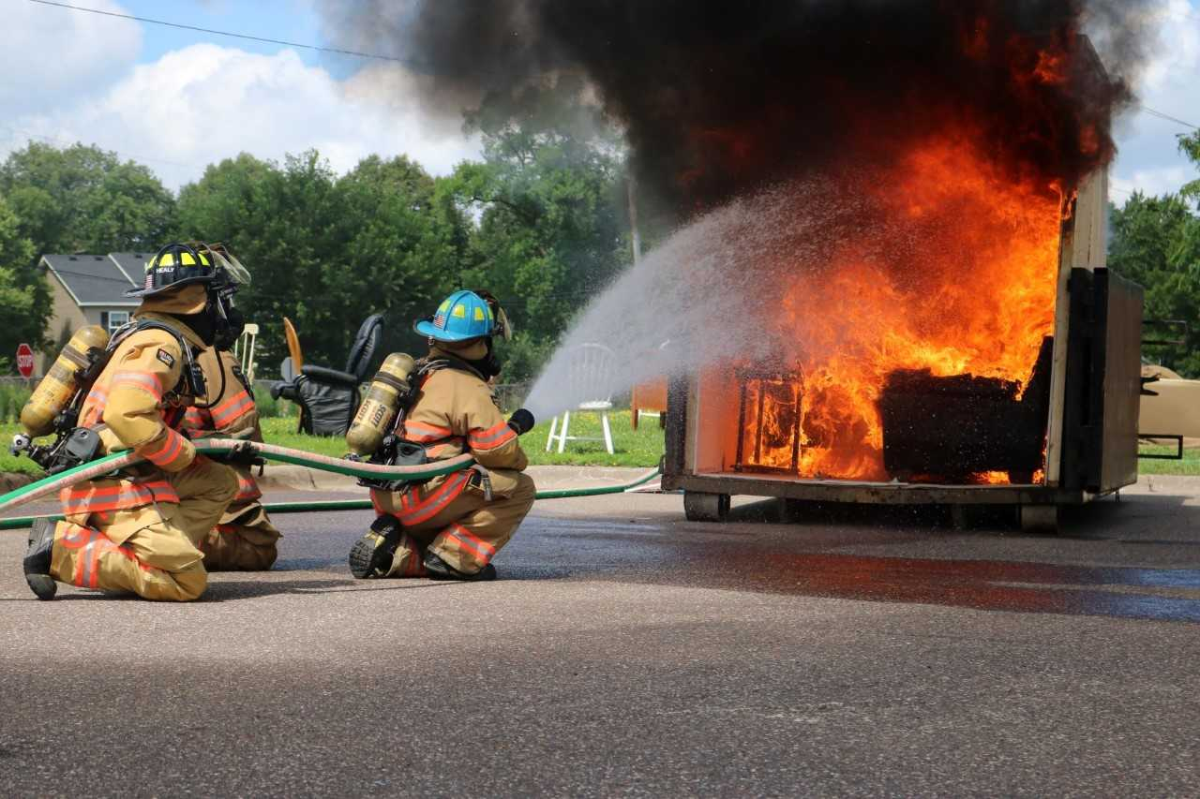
(626, 651)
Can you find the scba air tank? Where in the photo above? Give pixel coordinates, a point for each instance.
(54, 393)
(374, 419)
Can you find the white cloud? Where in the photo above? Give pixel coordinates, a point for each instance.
(205, 102)
(1170, 83)
(53, 55)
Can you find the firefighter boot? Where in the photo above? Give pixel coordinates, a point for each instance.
(438, 569)
(37, 559)
(372, 555)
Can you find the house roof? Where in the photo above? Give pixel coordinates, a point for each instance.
(133, 264)
(93, 280)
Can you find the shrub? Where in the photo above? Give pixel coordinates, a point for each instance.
(13, 396)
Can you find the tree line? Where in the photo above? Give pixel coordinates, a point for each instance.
(540, 222)
(1155, 241)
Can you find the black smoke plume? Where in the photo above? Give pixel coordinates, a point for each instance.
(720, 97)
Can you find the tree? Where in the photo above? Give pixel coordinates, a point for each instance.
(327, 252)
(1154, 243)
(406, 242)
(24, 296)
(83, 199)
(548, 198)
(1190, 146)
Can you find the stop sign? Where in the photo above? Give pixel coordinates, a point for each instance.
(25, 360)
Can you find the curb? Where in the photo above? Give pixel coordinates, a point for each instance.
(11, 481)
(299, 478)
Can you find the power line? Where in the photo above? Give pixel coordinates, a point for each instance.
(230, 34)
(358, 53)
(1167, 117)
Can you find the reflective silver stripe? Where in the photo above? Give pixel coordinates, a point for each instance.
(88, 550)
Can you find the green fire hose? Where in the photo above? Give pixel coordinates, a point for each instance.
(88, 471)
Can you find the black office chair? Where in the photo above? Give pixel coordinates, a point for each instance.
(329, 398)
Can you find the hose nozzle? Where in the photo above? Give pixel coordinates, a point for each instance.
(521, 421)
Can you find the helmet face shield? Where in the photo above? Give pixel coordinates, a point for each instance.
(503, 328)
(237, 273)
(231, 275)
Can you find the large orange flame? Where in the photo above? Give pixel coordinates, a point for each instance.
(966, 285)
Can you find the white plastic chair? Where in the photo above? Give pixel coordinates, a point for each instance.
(590, 373)
(243, 350)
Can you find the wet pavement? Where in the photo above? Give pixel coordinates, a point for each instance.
(627, 651)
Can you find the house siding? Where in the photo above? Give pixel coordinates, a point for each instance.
(65, 319)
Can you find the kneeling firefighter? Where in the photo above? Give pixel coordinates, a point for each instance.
(450, 527)
(244, 538)
(138, 531)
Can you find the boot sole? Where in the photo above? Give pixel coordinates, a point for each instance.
(42, 585)
(363, 559)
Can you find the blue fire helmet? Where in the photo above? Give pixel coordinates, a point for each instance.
(463, 315)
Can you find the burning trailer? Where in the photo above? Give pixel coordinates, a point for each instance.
(863, 425)
(977, 352)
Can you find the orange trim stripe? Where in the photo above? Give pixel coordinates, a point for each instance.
(379, 511)
(142, 380)
(93, 406)
(233, 409)
(172, 448)
(195, 419)
(486, 442)
(436, 502)
(490, 433)
(247, 489)
(122, 497)
(480, 548)
(420, 432)
(239, 397)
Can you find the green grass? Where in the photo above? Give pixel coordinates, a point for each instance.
(643, 448)
(282, 431)
(12, 399)
(1190, 465)
(9, 463)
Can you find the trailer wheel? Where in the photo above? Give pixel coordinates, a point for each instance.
(1039, 519)
(699, 507)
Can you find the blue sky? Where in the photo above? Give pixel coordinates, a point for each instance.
(178, 100)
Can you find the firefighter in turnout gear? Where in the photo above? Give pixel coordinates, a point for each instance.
(452, 527)
(244, 539)
(139, 531)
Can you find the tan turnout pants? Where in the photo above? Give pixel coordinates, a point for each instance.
(152, 550)
(244, 540)
(467, 532)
